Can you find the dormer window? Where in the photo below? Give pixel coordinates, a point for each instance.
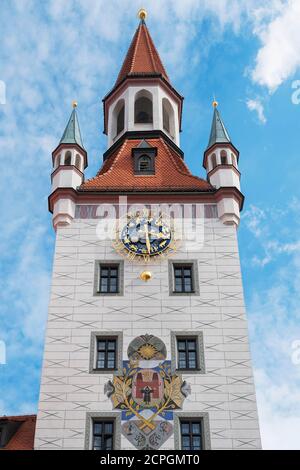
(144, 159)
(143, 108)
(144, 164)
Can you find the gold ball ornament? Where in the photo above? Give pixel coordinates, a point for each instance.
(146, 276)
(142, 14)
(74, 104)
(215, 103)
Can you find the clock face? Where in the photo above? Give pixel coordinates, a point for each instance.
(146, 235)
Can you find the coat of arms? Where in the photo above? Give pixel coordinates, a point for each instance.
(147, 393)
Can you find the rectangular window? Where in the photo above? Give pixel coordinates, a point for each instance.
(106, 353)
(103, 435)
(183, 278)
(191, 434)
(109, 279)
(187, 353)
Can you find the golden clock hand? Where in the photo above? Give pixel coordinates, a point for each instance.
(147, 238)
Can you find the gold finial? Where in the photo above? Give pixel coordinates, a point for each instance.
(142, 14)
(215, 103)
(74, 104)
(146, 276)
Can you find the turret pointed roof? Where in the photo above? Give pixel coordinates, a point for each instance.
(142, 57)
(218, 133)
(72, 133)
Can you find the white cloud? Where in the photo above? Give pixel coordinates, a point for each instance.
(278, 58)
(256, 105)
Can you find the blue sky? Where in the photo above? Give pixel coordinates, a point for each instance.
(246, 52)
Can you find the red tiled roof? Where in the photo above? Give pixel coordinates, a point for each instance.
(171, 173)
(142, 56)
(23, 439)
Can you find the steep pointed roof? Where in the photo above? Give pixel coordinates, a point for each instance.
(218, 133)
(142, 57)
(72, 133)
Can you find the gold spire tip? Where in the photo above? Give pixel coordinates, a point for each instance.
(215, 103)
(74, 104)
(142, 14)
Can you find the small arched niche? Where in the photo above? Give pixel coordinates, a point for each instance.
(168, 117)
(57, 160)
(143, 108)
(78, 162)
(233, 160)
(224, 159)
(118, 118)
(213, 160)
(68, 157)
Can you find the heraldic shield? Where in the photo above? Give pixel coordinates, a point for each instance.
(147, 393)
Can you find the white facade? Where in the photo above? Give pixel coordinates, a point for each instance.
(70, 393)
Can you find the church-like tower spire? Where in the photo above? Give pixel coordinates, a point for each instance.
(69, 161)
(142, 98)
(218, 133)
(221, 164)
(72, 134)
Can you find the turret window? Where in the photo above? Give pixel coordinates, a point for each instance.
(78, 162)
(68, 158)
(213, 161)
(224, 160)
(233, 159)
(143, 108)
(120, 120)
(168, 117)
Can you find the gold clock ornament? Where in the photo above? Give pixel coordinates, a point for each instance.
(145, 236)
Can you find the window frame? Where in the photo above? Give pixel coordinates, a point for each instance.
(102, 435)
(109, 278)
(196, 417)
(97, 277)
(93, 361)
(187, 351)
(102, 416)
(106, 351)
(193, 263)
(200, 354)
(182, 268)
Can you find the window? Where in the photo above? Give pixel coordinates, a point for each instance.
(213, 161)
(103, 435)
(223, 157)
(183, 278)
(144, 164)
(168, 117)
(143, 109)
(233, 158)
(187, 353)
(106, 353)
(120, 120)
(68, 158)
(109, 279)
(191, 434)
(78, 162)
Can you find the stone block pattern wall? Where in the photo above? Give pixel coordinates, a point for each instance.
(69, 392)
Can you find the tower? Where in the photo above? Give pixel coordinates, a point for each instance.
(146, 344)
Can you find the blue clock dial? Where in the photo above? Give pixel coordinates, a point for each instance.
(146, 236)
